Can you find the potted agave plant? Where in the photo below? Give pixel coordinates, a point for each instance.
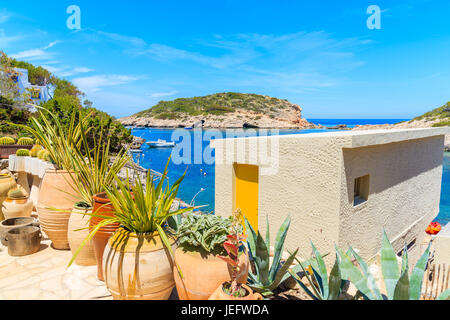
(201, 238)
(56, 197)
(94, 174)
(138, 258)
(234, 289)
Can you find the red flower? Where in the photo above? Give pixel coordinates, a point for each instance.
(433, 228)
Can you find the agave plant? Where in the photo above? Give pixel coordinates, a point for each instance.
(268, 277)
(324, 286)
(139, 209)
(399, 284)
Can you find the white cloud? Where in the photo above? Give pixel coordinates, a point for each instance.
(162, 94)
(6, 40)
(36, 54)
(4, 16)
(96, 83)
(75, 71)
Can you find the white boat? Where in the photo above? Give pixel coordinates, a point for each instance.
(161, 144)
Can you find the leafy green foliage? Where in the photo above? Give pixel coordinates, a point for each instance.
(268, 276)
(216, 104)
(204, 233)
(324, 287)
(139, 209)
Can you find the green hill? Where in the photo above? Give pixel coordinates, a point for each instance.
(216, 104)
(440, 116)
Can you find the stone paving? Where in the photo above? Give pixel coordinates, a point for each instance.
(45, 276)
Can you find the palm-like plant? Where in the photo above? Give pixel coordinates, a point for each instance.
(142, 210)
(93, 172)
(399, 284)
(61, 142)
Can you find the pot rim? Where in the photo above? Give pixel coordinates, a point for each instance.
(101, 197)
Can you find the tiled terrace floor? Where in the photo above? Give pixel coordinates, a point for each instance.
(45, 276)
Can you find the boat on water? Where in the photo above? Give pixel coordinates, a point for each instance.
(161, 144)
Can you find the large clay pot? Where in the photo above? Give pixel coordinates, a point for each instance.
(219, 294)
(7, 182)
(102, 206)
(138, 267)
(79, 220)
(16, 208)
(203, 274)
(56, 192)
(23, 241)
(9, 224)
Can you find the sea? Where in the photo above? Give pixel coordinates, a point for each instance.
(197, 163)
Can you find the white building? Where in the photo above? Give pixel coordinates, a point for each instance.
(38, 93)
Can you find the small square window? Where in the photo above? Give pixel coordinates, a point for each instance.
(361, 190)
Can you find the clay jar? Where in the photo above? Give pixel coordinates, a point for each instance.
(7, 182)
(78, 232)
(219, 294)
(138, 267)
(202, 274)
(102, 206)
(56, 193)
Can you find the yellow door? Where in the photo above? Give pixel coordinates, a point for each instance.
(246, 188)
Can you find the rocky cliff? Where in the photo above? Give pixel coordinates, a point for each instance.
(222, 110)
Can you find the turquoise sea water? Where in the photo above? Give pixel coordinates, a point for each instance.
(202, 175)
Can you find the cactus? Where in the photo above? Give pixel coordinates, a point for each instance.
(23, 153)
(4, 141)
(25, 141)
(17, 193)
(35, 150)
(41, 154)
(33, 153)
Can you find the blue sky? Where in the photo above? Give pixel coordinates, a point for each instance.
(128, 55)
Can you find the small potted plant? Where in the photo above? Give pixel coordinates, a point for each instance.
(17, 204)
(234, 289)
(138, 259)
(200, 245)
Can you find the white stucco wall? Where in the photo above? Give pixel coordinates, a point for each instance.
(314, 184)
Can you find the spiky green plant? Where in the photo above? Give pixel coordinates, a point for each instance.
(25, 141)
(5, 141)
(41, 154)
(205, 233)
(399, 284)
(268, 277)
(23, 153)
(139, 209)
(33, 153)
(17, 193)
(60, 142)
(324, 286)
(94, 172)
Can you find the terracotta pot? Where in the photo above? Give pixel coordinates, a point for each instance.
(79, 220)
(203, 274)
(56, 192)
(9, 224)
(17, 208)
(102, 207)
(138, 267)
(23, 241)
(219, 294)
(7, 182)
